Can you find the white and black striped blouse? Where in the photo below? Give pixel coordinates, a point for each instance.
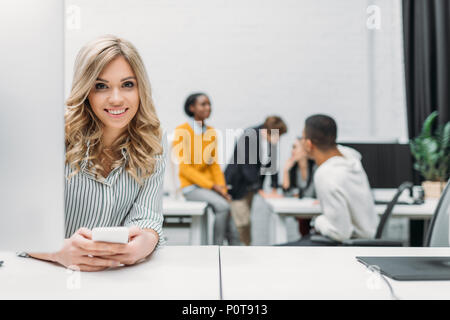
(117, 200)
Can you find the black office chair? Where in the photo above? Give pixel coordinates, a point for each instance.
(438, 232)
(377, 241)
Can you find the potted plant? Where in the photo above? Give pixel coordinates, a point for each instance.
(431, 150)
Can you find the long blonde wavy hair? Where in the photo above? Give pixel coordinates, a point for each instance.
(142, 139)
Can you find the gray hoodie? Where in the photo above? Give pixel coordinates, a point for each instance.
(342, 187)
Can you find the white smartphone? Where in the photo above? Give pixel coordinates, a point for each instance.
(110, 234)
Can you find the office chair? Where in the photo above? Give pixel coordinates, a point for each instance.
(377, 241)
(438, 233)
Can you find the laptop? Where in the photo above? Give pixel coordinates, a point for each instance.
(411, 268)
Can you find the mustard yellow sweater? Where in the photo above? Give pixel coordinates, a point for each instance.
(197, 156)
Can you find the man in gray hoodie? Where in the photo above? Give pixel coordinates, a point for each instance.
(341, 184)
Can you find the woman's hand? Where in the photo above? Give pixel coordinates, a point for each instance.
(289, 163)
(286, 177)
(222, 191)
(271, 195)
(79, 252)
(141, 244)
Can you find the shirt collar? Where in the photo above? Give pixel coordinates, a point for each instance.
(85, 161)
(197, 128)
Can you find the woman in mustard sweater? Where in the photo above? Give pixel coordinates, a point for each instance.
(201, 177)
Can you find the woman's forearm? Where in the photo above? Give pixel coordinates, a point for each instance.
(286, 180)
(153, 232)
(43, 256)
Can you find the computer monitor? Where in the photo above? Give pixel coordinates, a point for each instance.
(31, 125)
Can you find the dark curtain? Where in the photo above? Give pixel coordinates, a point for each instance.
(426, 30)
(426, 37)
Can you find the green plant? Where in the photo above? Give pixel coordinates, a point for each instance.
(431, 150)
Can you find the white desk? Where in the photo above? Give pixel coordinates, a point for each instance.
(243, 273)
(309, 208)
(194, 209)
(170, 273)
(318, 273)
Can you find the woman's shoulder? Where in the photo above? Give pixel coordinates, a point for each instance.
(183, 126)
(183, 130)
(68, 168)
(69, 172)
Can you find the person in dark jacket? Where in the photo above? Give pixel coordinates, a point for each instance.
(254, 157)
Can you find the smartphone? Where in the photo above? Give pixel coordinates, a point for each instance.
(110, 234)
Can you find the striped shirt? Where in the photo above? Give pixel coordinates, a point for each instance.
(117, 200)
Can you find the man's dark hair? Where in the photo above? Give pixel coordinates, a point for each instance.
(275, 122)
(321, 130)
(190, 101)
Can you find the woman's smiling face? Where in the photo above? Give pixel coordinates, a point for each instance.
(115, 95)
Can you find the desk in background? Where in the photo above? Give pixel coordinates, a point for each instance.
(196, 210)
(318, 273)
(170, 273)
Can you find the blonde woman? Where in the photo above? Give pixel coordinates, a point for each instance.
(114, 158)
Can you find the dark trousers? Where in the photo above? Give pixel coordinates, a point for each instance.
(303, 226)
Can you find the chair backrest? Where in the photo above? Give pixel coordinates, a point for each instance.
(387, 213)
(438, 232)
